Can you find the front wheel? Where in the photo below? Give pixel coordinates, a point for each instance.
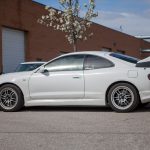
(123, 97)
(11, 98)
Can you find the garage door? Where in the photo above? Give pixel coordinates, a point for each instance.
(13, 46)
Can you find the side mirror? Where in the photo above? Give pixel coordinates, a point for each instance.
(43, 70)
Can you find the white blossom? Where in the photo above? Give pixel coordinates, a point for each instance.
(43, 17)
(69, 21)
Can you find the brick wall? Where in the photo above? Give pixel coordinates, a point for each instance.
(45, 43)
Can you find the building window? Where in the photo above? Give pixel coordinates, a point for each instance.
(121, 51)
(106, 49)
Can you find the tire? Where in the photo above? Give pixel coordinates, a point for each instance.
(123, 97)
(11, 98)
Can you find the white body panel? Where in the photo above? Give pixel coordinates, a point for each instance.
(87, 87)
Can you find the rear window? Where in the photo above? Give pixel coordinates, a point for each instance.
(125, 58)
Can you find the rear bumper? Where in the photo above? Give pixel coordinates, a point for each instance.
(145, 96)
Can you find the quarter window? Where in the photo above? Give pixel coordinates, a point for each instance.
(96, 62)
(66, 63)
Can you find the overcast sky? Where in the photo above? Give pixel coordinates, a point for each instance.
(130, 16)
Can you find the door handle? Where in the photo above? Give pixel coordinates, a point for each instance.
(76, 77)
(88, 68)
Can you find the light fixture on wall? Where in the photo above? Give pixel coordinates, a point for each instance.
(145, 50)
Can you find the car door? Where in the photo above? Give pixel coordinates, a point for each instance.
(63, 79)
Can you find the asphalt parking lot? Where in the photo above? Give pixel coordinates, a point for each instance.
(59, 128)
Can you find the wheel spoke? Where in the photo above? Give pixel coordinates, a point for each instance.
(6, 92)
(126, 102)
(116, 98)
(128, 96)
(118, 92)
(3, 96)
(13, 99)
(124, 92)
(12, 93)
(120, 103)
(5, 101)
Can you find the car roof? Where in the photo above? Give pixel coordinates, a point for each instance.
(100, 53)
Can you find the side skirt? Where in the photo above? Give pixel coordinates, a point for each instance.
(63, 102)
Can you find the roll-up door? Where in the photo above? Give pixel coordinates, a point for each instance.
(13, 47)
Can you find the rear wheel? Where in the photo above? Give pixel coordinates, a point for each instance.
(123, 97)
(11, 98)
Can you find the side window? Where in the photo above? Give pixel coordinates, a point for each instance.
(96, 62)
(66, 63)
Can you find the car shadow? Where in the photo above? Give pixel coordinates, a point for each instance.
(67, 109)
(145, 108)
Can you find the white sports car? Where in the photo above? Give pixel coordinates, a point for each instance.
(82, 78)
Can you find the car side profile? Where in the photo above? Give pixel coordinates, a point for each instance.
(89, 78)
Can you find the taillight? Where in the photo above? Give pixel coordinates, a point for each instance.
(148, 76)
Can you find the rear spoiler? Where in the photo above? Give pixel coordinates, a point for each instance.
(144, 63)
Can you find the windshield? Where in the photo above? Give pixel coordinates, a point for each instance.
(27, 67)
(125, 58)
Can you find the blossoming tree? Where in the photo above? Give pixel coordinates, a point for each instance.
(71, 20)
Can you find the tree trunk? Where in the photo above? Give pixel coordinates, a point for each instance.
(75, 46)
